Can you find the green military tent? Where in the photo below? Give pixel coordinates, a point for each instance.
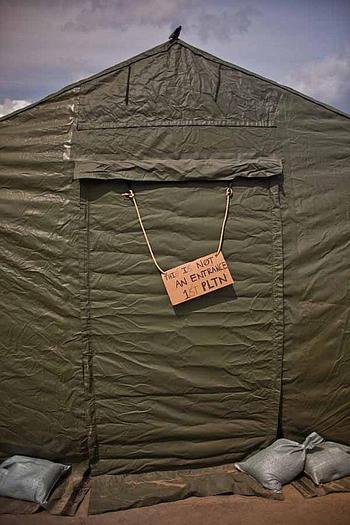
(95, 361)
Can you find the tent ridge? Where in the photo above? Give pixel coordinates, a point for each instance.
(163, 48)
(220, 61)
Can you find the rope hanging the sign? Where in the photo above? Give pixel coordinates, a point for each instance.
(131, 195)
(228, 197)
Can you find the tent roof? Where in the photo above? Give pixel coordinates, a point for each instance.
(161, 49)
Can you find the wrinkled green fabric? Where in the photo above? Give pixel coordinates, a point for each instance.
(42, 410)
(179, 170)
(94, 360)
(171, 384)
(141, 490)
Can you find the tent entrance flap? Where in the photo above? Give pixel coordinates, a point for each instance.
(199, 384)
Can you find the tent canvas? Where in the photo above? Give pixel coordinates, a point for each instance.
(95, 362)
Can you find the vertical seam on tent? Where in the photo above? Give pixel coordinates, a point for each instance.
(92, 419)
(127, 87)
(277, 298)
(87, 365)
(218, 84)
(82, 275)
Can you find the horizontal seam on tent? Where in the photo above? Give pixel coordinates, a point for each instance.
(183, 440)
(82, 126)
(145, 454)
(165, 394)
(155, 332)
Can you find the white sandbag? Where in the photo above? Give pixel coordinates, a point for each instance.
(327, 462)
(30, 479)
(279, 463)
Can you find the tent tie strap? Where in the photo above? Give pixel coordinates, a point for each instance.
(131, 195)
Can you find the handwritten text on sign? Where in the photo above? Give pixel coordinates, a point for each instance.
(196, 278)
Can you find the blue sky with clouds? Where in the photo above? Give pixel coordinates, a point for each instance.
(47, 44)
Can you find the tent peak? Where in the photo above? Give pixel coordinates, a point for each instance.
(163, 48)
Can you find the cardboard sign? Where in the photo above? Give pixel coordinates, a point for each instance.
(196, 278)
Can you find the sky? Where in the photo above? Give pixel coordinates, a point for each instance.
(47, 44)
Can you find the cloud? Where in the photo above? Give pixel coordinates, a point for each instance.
(202, 17)
(8, 105)
(225, 25)
(120, 14)
(326, 79)
(46, 45)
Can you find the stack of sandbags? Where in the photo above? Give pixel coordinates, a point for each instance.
(284, 460)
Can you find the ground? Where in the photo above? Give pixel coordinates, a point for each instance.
(333, 509)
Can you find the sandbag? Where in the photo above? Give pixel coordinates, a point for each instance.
(280, 462)
(29, 479)
(327, 462)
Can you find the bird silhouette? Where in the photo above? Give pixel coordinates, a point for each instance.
(175, 34)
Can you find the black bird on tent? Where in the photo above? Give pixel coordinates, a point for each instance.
(175, 34)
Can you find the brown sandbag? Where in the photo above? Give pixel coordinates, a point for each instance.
(310, 490)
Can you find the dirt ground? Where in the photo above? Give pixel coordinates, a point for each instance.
(333, 509)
